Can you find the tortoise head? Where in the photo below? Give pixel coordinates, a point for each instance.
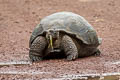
(51, 36)
(52, 33)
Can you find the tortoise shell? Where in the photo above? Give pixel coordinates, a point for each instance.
(69, 23)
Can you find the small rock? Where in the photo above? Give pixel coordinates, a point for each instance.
(1, 19)
(0, 45)
(78, 72)
(16, 22)
(33, 12)
(20, 31)
(30, 31)
(26, 20)
(27, 48)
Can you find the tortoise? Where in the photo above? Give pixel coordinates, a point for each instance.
(63, 31)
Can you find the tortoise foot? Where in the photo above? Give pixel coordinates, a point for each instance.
(35, 58)
(72, 57)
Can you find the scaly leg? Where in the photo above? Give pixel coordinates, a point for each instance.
(69, 48)
(36, 49)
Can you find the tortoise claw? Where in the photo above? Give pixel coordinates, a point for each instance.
(35, 58)
(72, 57)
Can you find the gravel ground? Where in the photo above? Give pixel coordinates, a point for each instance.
(18, 19)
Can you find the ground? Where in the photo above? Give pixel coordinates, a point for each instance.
(18, 18)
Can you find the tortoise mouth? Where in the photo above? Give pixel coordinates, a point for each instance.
(56, 50)
(53, 41)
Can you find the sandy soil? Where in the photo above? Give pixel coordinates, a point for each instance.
(18, 19)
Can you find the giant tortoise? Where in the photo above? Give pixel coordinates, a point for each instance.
(63, 31)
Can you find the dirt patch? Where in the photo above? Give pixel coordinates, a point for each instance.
(18, 19)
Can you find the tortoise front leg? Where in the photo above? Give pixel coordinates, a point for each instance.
(36, 49)
(69, 48)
